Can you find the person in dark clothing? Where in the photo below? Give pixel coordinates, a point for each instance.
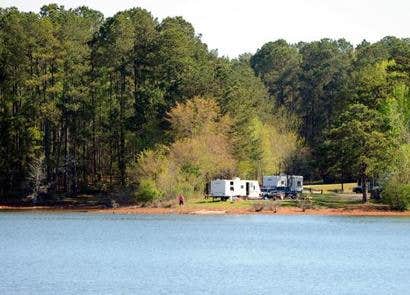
(181, 200)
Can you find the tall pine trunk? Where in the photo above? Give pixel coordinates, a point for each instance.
(121, 158)
(364, 188)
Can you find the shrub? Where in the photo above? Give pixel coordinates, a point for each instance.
(259, 206)
(397, 195)
(147, 191)
(396, 189)
(305, 203)
(169, 204)
(274, 206)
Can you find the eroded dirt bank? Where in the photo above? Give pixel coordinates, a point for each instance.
(207, 211)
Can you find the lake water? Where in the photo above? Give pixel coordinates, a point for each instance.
(42, 253)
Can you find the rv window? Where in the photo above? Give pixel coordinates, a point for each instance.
(299, 183)
(232, 189)
(241, 186)
(282, 182)
(231, 182)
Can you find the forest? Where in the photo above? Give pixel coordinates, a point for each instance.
(132, 104)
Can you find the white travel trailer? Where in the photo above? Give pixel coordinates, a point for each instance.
(229, 188)
(283, 182)
(295, 183)
(275, 181)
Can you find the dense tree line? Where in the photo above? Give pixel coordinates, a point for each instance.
(353, 104)
(89, 103)
(82, 97)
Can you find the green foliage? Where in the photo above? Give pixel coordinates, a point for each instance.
(397, 195)
(318, 80)
(396, 188)
(147, 191)
(370, 84)
(359, 143)
(323, 85)
(267, 148)
(278, 65)
(91, 94)
(196, 155)
(197, 116)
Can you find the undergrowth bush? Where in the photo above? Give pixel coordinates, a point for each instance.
(305, 202)
(397, 195)
(259, 206)
(147, 192)
(396, 189)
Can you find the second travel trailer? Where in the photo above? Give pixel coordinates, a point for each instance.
(275, 181)
(229, 188)
(289, 184)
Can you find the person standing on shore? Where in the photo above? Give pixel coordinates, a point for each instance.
(181, 200)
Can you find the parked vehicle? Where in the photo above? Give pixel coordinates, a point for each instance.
(292, 194)
(265, 193)
(277, 194)
(229, 188)
(272, 194)
(372, 187)
(357, 189)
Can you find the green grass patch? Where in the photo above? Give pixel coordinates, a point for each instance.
(326, 200)
(348, 187)
(196, 203)
(334, 201)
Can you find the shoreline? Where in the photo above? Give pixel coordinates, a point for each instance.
(190, 211)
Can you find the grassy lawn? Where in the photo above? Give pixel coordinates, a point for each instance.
(336, 201)
(195, 203)
(348, 187)
(329, 199)
(208, 204)
(326, 200)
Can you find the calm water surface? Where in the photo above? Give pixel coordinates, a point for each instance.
(56, 253)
